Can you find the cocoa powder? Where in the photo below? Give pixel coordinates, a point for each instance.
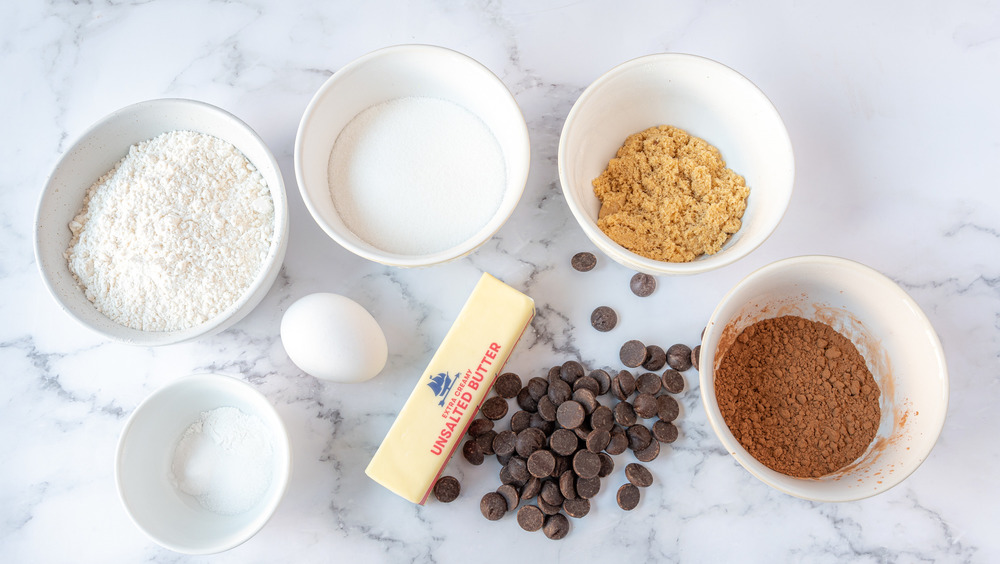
(798, 396)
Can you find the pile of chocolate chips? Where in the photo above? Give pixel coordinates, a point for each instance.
(561, 441)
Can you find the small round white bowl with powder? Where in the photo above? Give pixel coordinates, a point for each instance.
(412, 155)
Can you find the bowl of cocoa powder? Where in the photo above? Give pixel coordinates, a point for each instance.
(823, 378)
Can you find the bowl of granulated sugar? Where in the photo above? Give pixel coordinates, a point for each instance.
(165, 222)
(412, 155)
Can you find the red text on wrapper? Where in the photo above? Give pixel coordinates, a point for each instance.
(461, 399)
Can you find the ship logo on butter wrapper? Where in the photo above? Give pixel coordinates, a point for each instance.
(442, 384)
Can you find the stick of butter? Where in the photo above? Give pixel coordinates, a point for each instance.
(448, 394)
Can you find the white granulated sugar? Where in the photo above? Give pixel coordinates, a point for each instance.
(416, 175)
(174, 234)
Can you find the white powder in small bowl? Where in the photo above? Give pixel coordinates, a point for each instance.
(416, 175)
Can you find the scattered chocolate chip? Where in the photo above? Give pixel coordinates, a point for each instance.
(607, 465)
(507, 385)
(480, 426)
(584, 261)
(520, 421)
(656, 359)
(546, 409)
(626, 383)
(570, 414)
(567, 484)
(510, 494)
(541, 463)
(587, 399)
(598, 440)
(673, 381)
(628, 497)
(587, 383)
(546, 507)
(559, 391)
(494, 408)
(603, 379)
(517, 467)
(586, 464)
(493, 506)
(649, 453)
(555, 373)
(531, 488)
(472, 452)
(564, 442)
(633, 353)
(603, 319)
(446, 489)
(642, 284)
(576, 508)
(588, 488)
(667, 408)
(645, 405)
(679, 357)
(550, 493)
(602, 418)
(525, 401)
(696, 356)
(528, 441)
(538, 387)
(485, 442)
(648, 383)
(638, 475)
(570, 371)
(556, 526)
(562, 465)
(664, 431)
(530, 518)
(505, 441)
(618, 443)
(625, 414)
(639, 437)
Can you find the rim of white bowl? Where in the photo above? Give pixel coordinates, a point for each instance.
(254, 293)
(614, 250)
(498, 220)
(744, 458)
(280, 433)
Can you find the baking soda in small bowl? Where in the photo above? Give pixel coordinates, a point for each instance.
(416, 175)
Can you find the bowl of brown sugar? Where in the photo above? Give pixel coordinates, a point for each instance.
(823, 378)
(675, 164)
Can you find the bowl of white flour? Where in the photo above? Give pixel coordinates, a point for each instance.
(202, 463)
(412, 155)
(166, 221)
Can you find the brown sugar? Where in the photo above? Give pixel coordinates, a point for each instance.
(668, 196)
(798, 396)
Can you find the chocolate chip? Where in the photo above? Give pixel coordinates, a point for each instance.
(656, 359)
(648, 383)
(446, 489)
(576, 508)
(639, 437)
(673, 381)
(548, 508)
(485, 442)
(667, 408)
(638, 475)
(546, 409)
(649, 453)
(628, 497)
(584, 261)
(587, 488)
(570, 371)
(493, 506)
(510, 494)
(567, 484)
(505, 441)
(645, 405)
(525, 401)
(570, 414)
(696, 356)
(555, 373)
(507, 385)
(528, 441)
(518, 469)
(603, 319)
(623, 384)
(562, 465)
(503, 459)
(586, 464)
(598, 440)
(603, 379)
(642, 284)
(520, 421)
(679, 357)
(531, 488)
(494, 408)
(530, 518)
(607, 465)
(602, 418)
(664, 432)
(550, 493)
(587, 399)
(559, 391)
(538, 387)
(625, 414)
(633, 353)
(541, 463)
(563, 441)
(556, 526)
(587, 383)
(472, 452)
(618, 443)
(480, 426)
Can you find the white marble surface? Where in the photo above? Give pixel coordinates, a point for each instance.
(893, 116)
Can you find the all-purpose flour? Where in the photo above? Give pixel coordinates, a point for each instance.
(173, 234)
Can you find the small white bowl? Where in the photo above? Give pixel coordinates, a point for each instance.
(890, 331)
(704, 98)
(95, 153)
(398, 72)
(169, 517)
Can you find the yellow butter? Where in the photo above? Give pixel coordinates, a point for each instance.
(448, 394)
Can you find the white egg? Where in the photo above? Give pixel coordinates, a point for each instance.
(334, 338)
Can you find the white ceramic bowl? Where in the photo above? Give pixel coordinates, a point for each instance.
(702, 97)
(99, 149)
(174, 519)
(398, 72)
(890, 331)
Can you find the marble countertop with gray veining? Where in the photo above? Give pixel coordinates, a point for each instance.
(892, 112)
